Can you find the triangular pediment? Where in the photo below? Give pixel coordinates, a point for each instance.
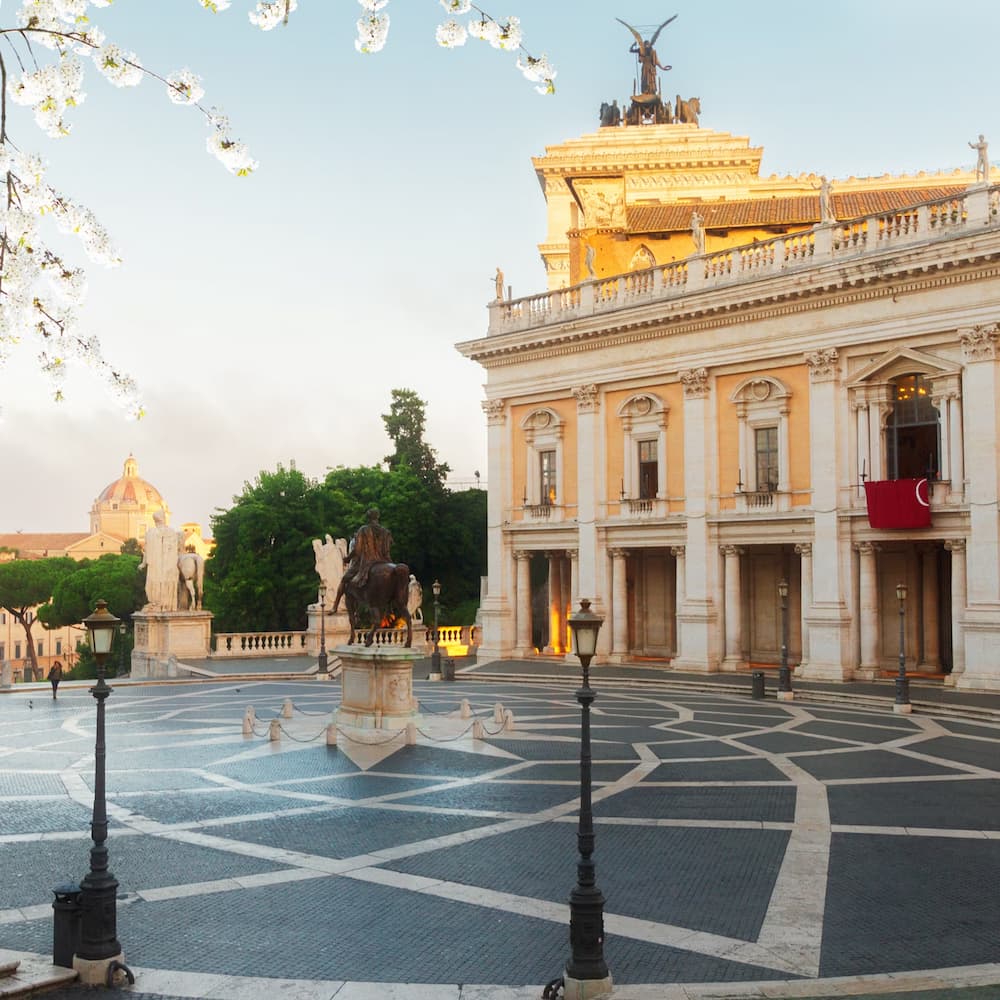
(902, 361)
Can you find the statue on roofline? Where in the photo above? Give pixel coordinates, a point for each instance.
(645, 52)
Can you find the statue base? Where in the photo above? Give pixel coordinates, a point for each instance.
(377, 686)
(336, 629)
(158, 634)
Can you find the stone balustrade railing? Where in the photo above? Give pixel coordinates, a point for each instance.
(960, 215)
(243, 644)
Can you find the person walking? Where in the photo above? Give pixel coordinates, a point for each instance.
(55, 676)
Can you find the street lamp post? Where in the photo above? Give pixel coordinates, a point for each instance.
(100, 952)
(436, 655)
(785, 692)
(586, 972)
(323, 667)
(902, 705)
(122, 629)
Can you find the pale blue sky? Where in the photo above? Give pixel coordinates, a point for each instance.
(267, 319)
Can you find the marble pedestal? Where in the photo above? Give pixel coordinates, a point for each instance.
(336, 629)
(377, 686)
(186, 635)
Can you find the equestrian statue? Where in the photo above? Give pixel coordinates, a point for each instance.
(372, 580)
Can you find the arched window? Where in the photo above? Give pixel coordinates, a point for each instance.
(913, 430)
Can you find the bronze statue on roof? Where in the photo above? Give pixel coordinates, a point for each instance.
(649, 62)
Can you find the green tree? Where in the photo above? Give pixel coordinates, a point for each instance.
(262, 572)
(113, 578)
(404, 423)
(131, 547)
(26, 583)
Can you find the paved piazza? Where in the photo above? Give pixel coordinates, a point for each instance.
(745, 848)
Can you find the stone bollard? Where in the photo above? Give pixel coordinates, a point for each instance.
(411, 734)
(331, 734)
(286, 709)
(466, 709)
(508, 721)
(498, 712)
(274, 731)
(249, 718)
(477, 729)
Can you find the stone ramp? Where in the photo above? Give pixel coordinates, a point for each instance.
(23, 974)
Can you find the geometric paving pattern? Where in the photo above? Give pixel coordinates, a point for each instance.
(737, 841)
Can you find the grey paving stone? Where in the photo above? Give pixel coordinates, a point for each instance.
(899, 903)
(855, 732)
(773, 805)
(309, 763)
(497, 796)
(899, 722)
(562, 749)
(357, 785)
(868, 764)
(695, 748)
(217, 803)
(570, 771)
(713, 880)
(748, 769)
(151, 781)
(968, 805)
(345, 832)
(17, 783)
(978, 752)
(711, 727)
(788, 742)
(43, 817)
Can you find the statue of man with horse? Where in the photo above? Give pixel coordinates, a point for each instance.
(372, 580)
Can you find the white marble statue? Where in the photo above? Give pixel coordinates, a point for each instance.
(698, 232)
(982, 159)
(826, 201)
(415, 598)
(162, 549)
(330, 558)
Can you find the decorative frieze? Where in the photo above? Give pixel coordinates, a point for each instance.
(979, 343)
(695, 382)
(823, 365)
(494, 410)
(587, 399)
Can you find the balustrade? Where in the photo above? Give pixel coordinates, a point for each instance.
(245, 644)
(942, 217)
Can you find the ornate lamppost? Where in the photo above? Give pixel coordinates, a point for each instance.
(785, 692)
(586, 972)
(902, 705)
(99, 953)
(323, 668)
(436, 655)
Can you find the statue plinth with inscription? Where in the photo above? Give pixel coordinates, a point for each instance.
(377, 687)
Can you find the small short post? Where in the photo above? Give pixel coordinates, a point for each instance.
(477, 729)
(274, 731)
(331, 734)
(508, 721)
(411, 734)
(498, 712)
(466, 712)
(286, 709)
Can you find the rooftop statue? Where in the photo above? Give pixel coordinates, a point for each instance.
(646, 54)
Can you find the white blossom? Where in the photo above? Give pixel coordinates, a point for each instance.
(373, 30)
(457, 6)
(184, 87)
(373, 5)
(451, 34)
(216, 6)
(119, 68)
(270, 13)
(234, 156)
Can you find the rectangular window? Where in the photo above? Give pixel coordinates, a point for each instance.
(547, 476)
(649, 470)
(3, 652)
(41, 647)
(766, 453)
(17, 651)
(58, 647)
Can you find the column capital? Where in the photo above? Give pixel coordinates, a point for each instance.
(587, 398)
(618, 553)
(572, 554)
(823, 365)
(955, 545)
(979, 343)
(804, 549)
(554, 554)
(867, 548)
(494, 410)
(731, 551)
(521, 554)
(678, 551)
(695, 382)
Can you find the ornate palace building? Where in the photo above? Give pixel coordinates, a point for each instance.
(724, 365)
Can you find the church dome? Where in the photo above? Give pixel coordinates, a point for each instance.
(125, 507)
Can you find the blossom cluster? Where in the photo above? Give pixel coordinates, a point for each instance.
(40, 293)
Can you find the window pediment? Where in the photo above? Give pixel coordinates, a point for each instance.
(902, 361)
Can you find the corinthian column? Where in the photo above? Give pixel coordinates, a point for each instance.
(523, 612)
(556, 605)
(678, 552)
(804, 552)
(868, 623)
(956, 546)
(733, 609)
(619, 605)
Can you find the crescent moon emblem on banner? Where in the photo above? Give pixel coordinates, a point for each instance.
(921, 482)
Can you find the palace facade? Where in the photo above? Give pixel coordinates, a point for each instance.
(691, 412)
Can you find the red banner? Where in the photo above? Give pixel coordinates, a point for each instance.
(898, 503)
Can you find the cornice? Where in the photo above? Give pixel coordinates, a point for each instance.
(768, 298)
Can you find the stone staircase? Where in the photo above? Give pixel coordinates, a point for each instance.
(24, 975)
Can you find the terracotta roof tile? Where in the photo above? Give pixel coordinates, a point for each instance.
(41, 542)
(799, 210)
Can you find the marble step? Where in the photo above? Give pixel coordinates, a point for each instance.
(27, 975)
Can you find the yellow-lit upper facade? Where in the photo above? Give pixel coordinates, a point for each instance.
(624, 197)
(125, 507)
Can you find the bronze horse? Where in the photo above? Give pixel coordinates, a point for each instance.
(385, 593)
